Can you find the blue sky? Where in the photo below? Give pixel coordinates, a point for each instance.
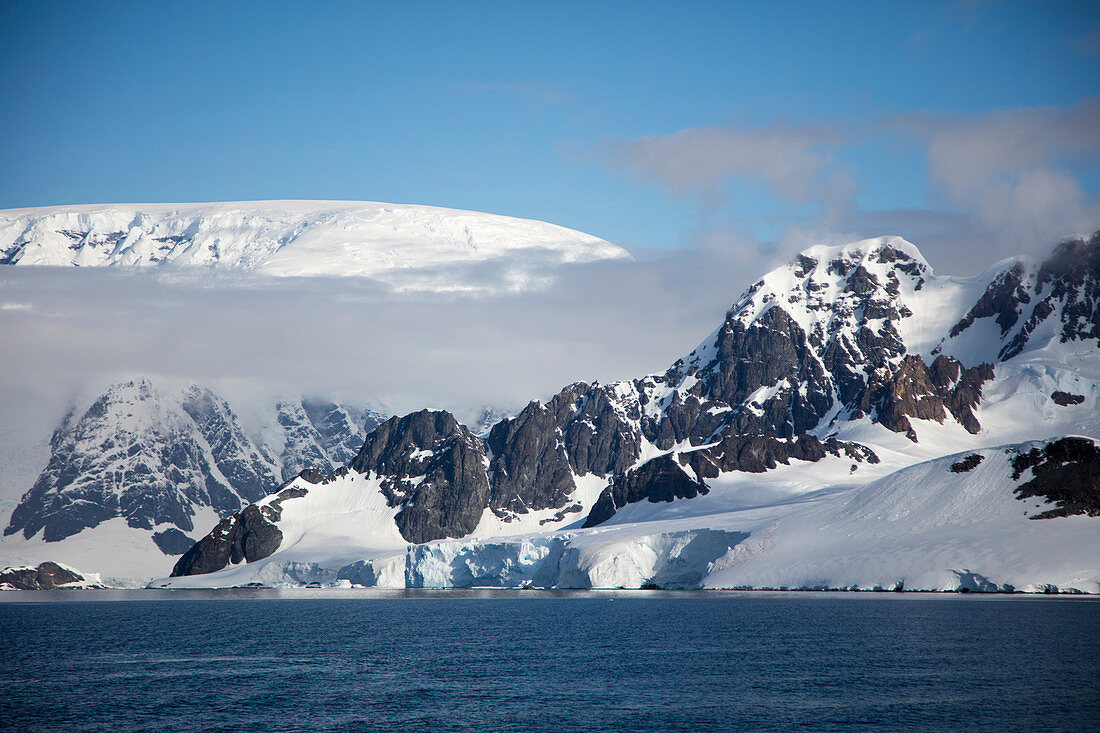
(655, 125)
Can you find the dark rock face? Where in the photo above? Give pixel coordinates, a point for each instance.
(530, 468)
(1003, 299)
(46, 576)
(597, 429)
(152, 456)
(1065, 472)
(251, 534)
(1069, 282)
(656, 480)
(585, 429)
(172, 542)
(960, 388)
(771, 351)
(765, 373)
(761, 453)
(664, 479)
(433, 468)
(450, 500)
(100, 468)
(247, 468)
(967, 464)
(916, 390)
(1065, 399)
(400, 446)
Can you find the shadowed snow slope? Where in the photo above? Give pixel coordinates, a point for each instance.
(407, 247)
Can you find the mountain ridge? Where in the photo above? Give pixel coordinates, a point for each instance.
(834, 327)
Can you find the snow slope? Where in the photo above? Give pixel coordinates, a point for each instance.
(406, 247)
(923, 527)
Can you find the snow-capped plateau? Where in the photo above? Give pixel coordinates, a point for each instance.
(406, 247)
(855, 422)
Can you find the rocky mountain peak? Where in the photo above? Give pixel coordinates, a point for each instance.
(811, 342)
(155, 455)
(1034, 304)
(137, 455)
(1072, 263)
(433, 468)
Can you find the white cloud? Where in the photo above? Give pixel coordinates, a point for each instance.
(76, 330)
(795, 163)
(796, 169)
(1017, 171)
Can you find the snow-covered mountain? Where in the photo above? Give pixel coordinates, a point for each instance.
(403, 246)
(855, 421)
(148, 468)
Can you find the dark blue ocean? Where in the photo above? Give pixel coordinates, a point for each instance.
(271, 661)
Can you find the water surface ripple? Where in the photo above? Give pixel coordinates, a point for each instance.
(536, 662)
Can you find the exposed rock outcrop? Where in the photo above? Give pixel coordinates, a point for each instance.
(599, 427)
(1064, 472)
(967, 464)
(433, 468)
(154, 455)
(250, 534)
(248, 468)
(928, 393)
(664, 478)
(1066, 399)
(760, 453)
(1067, 286)
(132, 454)
(173, 542)
(529, 469)
(47, 576)
(1003, 299)
(656, 480)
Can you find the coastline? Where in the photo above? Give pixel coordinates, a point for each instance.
(238, 594)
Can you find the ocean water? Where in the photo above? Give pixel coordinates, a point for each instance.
(534, 661)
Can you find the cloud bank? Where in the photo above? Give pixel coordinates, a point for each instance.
(998, 184)
(1017, 170)
(69, 332)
